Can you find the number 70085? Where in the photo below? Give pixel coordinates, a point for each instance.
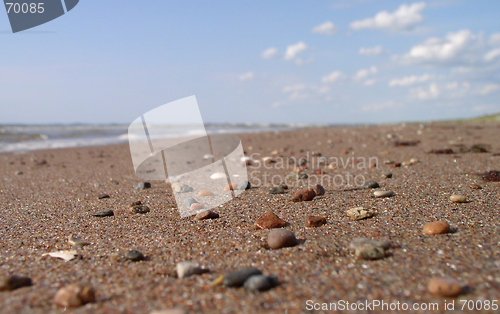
(25, 7)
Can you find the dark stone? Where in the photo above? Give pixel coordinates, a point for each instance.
(387, 175)
(371, 185)
(245, 185)
(14, 282)
(276, 190)
(238, 278)
(134, 255)
(142, 185)
(138, 209)
(104, 213)
(101, 196)
(493, 176)
(319, 189)
(441, 151)
(406, 143)
(260, 283)
(304, 195)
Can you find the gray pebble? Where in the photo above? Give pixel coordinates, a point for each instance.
(371, 185)
(237, 278)
(189, 201)
(104, 213)
(18, 173)
(260, 283)
(379, 194)
(280, 238)
(134, 255)
(276, 190)
(245, 185)
(142, 185)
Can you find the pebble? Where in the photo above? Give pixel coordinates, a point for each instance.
(280, 238)
(206, 214)
(102, 196)
(142, 185)
(319, 189)
(315, 221)
(493, 176)
(74, 295)
(230, 187)
(218, 175)
(14, 282)
(238, 278)
(197, 206)
(371, 185)
(359, 213)
(437, 227)
(396, 164)
(283, 185)
(270, 220)
(379, 194)
(245, 185)
(169, 311)
(114, 182)
(276, 190)
(97, 185)
(406, 163)
(205, 193)
(298, 175)
(475, 186)
(369, 249)
(180, 188)
(186, 269)
(189, 201)
(260, 283)
(414, 160)
(18, 173)
(134, 255)
(77, 242)
(387, 175)
(455, 198)
(138, 209)
(304, 195)
(444, 287)
(104, 213)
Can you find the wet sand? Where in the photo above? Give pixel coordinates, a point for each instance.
(51, 201)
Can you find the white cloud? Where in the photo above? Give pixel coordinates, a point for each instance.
(293, 50)
(492, 55)
(375, 51)
(409, 80)
(494, 39)
(424, 94)
(488, 89)
(246, 76)
(327, 28)
(333, 77)
(293, 88)
(454, 47)
(370, 82)
(404, 18)
(269, 53)
(363, 73)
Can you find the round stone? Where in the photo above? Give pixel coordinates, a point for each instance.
(280, 238)
(189, 201)
(380, 194)
(444, 287)
(197, 206)
(371, 185)
(455, 198)
(104, 213)
(437, 227)
(205, 193)
(14, 282)
(260, 283)
(304, 195)
(134, 255)
(369, 251)
(238, 278)
(74, 295)
(276, 190)
(206, 214)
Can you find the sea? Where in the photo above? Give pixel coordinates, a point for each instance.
(23, 138)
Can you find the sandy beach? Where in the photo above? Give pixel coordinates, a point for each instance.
(58, 190)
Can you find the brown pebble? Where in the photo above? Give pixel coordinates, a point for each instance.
(437, 227)
(304, 195)
(444, 287)
(280, 238)
(102, 196)
(319, 189)
(138, 209)
(475, 186)
(270, 220)
(206, 214)
(396, 164)
(319, 172)
(205, 193)
(455, 198)
(74, 295)
(315, 221)
(197, 206)
(14, 282)
(230, 187)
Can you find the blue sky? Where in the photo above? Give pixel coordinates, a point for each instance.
(337, 61)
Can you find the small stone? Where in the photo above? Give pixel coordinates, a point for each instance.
(387, 175)
(184, 189)
(206, 214)
(197, 206)
(18, 173)
(229, 187)
(74, 295)
(319, 172)
(260, 283)
(455, 198)
(319, 189)
(218, 175)
(385, 244)
(380, 194)
(189, 201)
(304, 195)
(396, 164)
(245, 185)
(369, 249)
(238, 278)
(283, 185)
(104, 213)
(102, 196)
(205, 193)
(114, 182)
(280, 238)
(437, 227)
(314, 221)
(169, 311)
(134, 255)
(142, 185)
(276, 190)
(77, 242)
(270, 220)
(298, 175)
(359, 213)
(444, 287)
(492, 176)
(14, 282)
(97, 185)
(138, 209)
(186, 269)
(414, 160)
(406, 163)
(475, 186)
(371, 185)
